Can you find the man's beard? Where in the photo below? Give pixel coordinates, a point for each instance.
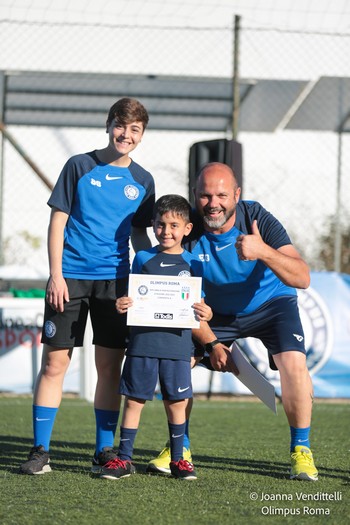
(220, 221)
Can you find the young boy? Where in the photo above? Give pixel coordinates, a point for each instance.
(100, 199)
(159, 352)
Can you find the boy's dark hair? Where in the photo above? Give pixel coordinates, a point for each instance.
(127, 110)
(173, 203)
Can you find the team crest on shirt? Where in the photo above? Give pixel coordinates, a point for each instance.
(318, 332)
(131, 192)
(184, 273)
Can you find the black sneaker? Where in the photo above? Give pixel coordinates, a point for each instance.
(182, 469)
(117, 468)
(38, 462)
(101, 459)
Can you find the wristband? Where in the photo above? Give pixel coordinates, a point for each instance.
(209, 346)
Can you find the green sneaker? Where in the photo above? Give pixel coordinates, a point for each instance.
(303, 466)
(161, 464)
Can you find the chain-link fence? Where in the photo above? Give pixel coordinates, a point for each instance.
(300, 175)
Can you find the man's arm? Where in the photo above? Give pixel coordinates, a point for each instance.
(286, 262)
(140, 239)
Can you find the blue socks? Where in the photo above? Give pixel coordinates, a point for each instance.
(43, 421)
(176, 433)
(187, 435)
(126, 444)
(106, 425)
(299, 437)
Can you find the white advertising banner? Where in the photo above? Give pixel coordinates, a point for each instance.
(325, 314)
(21, 322)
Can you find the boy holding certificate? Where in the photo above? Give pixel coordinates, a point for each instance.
(158, 352)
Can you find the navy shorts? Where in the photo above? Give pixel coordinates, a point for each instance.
(66, 329)
(140, 376)
(276, 323)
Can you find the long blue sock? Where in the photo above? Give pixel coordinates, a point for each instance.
(106, 425)
(176, 433)
(126, 444)
(43, 422)
(299, 437)
(187, 435)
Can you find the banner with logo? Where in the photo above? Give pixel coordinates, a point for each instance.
(325, 315)
(21, 321)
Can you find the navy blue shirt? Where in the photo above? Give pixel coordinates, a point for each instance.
(169, 343)
(102, 202)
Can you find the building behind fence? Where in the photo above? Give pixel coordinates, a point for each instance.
(300, 176)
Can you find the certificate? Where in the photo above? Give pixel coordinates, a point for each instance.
(163, 301)
(253, 380)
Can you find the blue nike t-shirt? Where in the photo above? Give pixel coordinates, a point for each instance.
(233, 286)
(169, 343)
(102, 202)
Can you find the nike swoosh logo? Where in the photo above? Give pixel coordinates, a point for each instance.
(219, 248)
(42, 419)
(126, 439)
(173, 436)
(163, 265)
(182, 389)
(302, 440)
(108, 177)
(111, 424)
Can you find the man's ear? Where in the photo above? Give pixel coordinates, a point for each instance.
(238, 194)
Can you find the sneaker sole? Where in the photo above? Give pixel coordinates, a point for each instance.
(152, 469)
(303, 477)
(107, 476)
(44, 470)
(187, 478)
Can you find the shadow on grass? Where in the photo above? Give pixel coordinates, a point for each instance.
(263, 467)
(14, 451)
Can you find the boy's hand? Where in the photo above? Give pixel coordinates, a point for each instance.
(122, 304)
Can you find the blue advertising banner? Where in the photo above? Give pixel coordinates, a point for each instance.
(325, 314)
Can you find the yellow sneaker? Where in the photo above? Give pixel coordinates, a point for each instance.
(303, 466)
(161, 463)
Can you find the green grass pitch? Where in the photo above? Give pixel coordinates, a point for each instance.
(240, 450)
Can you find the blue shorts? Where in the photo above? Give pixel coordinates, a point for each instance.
(276, 323)
(140, 376)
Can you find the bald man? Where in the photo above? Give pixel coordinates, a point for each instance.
(250, 274)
